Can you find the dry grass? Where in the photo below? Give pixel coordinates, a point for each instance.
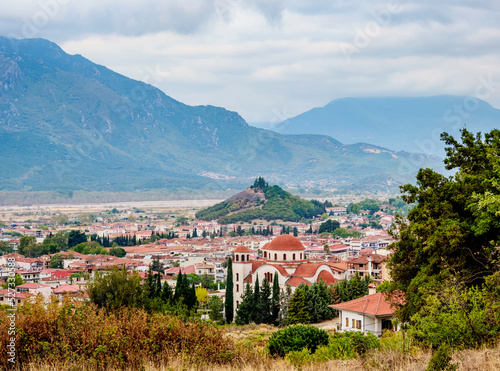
(60, 338)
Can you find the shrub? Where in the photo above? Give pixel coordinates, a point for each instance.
(440, 360)
(296, 338)
(127, 337)
(359, 342)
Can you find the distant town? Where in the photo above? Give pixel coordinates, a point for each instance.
(80, 244)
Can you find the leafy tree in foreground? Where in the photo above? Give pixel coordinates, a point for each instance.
(117, 288)
(454, 228)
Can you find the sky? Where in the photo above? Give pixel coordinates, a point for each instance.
(270, 60)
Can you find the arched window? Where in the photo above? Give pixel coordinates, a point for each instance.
(237, 304)
(284, 256)
(242, 257)
(300, 256)
(237, 276)
(237, 257)
(293, 257)
(237, 288)
(275, 256)
(265, 254)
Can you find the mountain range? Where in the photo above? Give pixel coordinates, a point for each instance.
(401, 123)
(69, 124)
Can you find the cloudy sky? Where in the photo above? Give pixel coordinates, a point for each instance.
(272, 59)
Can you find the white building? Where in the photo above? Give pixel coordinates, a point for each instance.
(370, 313)
(283, 256)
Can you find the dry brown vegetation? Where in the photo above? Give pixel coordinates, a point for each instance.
(79, 337)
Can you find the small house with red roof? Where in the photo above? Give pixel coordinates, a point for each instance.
(371, 313)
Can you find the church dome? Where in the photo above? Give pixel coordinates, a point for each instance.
(285, 242)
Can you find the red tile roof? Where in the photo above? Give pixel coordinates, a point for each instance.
(297, 281)
(374, 305)
(285, 242)
(65, 289)
(32, 285)
(327, 278)
(307, 269)
(242, 248)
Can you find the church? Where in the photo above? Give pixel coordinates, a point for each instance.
(285, 256)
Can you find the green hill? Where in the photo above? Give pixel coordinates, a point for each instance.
(261, 201)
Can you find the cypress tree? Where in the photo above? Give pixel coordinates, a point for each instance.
(355, 287)
(178, 287)
(297, 309)
(191, 300)
(228, 305)
(244, 311)
(150, 283)
(257, 301)
(265, 302)
(275, 303)
(195, 233)
(158, 285)
(166, 294)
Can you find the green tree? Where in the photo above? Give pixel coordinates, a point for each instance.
(75, 238)
(25, 241)
(454, 228)
(118, 252)
(266, 302)
(275, 303)
(56, 262)
(229, 305)
(5, 247)
(60, 240)
(285, 296)
(215, 305)
(245, 309)
(115, 289)
(157, 265)
(167, 293)
(298, 309)
(18, 280)
(257, 309)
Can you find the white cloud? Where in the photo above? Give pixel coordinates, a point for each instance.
(259, 57)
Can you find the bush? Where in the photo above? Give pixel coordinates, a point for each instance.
(440, 360)
(127, 337)
(359, 342)
(296, 338)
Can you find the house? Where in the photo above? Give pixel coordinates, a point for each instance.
(336, 210)
(370, 313)
(33, 288)
(370, 264)
(63, 291)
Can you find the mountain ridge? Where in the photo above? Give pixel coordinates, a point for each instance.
(399, 123)
(67, 123)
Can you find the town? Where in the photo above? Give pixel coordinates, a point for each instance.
(193, 247)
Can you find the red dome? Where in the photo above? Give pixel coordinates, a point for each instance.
(242, 248)
(285, 242)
